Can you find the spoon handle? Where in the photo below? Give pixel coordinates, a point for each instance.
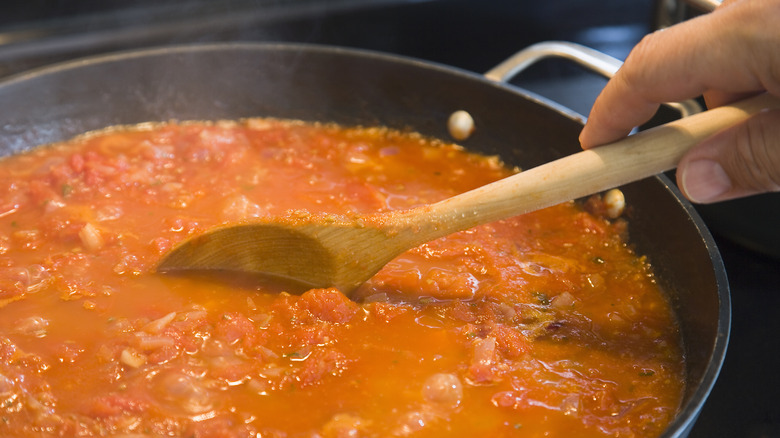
(636, 157)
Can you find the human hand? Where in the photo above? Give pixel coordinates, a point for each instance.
(726, 55)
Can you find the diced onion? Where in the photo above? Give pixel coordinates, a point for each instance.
(563, 300)
(38, 277)
(132, 358)
(240, 207)
(460, 125)
(615, 202)
(32, 326)
(444, 389)
(571, 405)
(159, 324)
(484, 351)
(343, 425)
(412, 422)
(91, 238)
(147, 342)
(182, 392)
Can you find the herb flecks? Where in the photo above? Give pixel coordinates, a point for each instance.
(542, 298)
(67, 190)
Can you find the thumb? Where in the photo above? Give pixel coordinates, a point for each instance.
(739, 161)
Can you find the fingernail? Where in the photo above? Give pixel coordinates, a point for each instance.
(705, 180)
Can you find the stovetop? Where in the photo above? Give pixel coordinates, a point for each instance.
(469, 34)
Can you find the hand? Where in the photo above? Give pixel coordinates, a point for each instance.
(726, 55)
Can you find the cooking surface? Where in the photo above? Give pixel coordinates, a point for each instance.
(471, 35)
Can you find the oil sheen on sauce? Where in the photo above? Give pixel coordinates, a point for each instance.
(542, 325)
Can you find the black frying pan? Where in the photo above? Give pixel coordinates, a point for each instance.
(229, 81)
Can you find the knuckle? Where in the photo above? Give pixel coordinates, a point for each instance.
(633, 70)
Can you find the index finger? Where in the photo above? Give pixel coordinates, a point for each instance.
(678, 63)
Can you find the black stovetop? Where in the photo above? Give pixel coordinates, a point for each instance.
(470, 34)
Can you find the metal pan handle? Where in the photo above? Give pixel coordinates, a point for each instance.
(591, 59)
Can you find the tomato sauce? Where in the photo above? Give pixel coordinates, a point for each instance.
(547, 324)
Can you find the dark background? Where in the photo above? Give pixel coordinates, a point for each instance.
(470, 34)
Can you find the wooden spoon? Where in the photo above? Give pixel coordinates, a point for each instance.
(321, 250)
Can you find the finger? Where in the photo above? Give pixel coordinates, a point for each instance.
(683, 61)
(657, 70)
(716, 98)
(739, 161)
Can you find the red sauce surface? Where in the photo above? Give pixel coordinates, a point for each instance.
(543, 325)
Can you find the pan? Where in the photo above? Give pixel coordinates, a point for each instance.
(354, 87)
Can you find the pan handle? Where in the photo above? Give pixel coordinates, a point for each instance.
(591, 59)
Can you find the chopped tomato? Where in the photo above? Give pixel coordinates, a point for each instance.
(546, 323)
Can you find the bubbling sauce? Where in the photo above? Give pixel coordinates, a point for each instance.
(547, 324)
